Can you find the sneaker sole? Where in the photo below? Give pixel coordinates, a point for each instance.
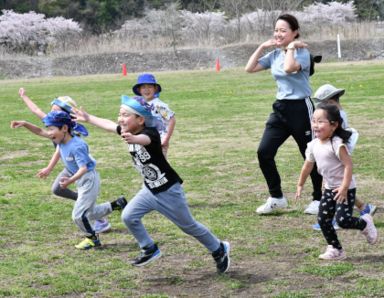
(228, 247)
(273, 210)
(87, 247)
(155, 257)
(334, 259)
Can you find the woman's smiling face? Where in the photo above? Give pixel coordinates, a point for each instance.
(283, 34)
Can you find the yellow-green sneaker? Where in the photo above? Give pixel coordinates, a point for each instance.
(88, 244)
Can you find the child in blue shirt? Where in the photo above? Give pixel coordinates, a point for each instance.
(61, 103)
(79, 170)
(162, 190)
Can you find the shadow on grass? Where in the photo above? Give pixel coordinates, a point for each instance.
(120, 246)
(246, 279)
(122, 231)
(290, 213)
(373, 259)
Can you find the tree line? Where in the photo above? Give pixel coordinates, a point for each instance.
(100, 16)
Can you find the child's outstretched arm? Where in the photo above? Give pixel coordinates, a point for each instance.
(106, 124)
(44, 173)
(305, 171)
(140, 139)
(31, 127)
(31, 105)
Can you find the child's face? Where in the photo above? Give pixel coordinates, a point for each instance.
(130, 122)
(56, 134)
(148, 91)
(322, 127)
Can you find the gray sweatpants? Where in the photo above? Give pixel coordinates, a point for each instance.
(173, 205)
(63, 192)
(85, 211)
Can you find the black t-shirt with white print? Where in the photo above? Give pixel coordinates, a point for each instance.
(150, 162)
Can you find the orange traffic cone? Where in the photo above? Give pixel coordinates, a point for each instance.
(124, 66)
(217, 65)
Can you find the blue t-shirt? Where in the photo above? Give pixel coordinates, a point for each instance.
(289, 85)
(75, 154)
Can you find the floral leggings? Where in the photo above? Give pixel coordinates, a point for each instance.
(327, 209)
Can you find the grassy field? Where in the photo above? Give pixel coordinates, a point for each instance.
(220, 119)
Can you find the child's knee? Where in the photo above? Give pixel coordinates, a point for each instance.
(77, 219)
(342, 223)
(56, 190)
(128, 219)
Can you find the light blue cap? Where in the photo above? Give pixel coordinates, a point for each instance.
(136, 106)
(66, 107)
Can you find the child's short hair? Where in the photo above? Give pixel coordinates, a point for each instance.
(145, 78)
(326, 92)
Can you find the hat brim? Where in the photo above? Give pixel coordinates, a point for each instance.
(135, 88)
(339, 92)
(130, 110)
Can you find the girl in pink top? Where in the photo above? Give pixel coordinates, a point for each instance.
(330, 152)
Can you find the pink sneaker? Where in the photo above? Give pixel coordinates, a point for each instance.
(333, 254)
(370, 231)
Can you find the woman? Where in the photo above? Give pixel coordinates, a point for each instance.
(292, 110)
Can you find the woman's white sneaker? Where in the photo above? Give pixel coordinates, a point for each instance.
(272, 204)
(313, 208)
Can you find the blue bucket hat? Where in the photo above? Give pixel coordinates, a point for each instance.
(58, 119)
(145, 78)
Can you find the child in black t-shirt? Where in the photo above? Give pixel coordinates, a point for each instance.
(162, 190)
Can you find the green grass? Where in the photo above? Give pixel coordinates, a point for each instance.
(220, 119)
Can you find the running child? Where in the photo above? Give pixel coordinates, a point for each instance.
(62, 103)
(161, 191)
(79, 170)
(331, 95)
(330, 152)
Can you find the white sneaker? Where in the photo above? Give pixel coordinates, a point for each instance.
(313, 208)
(370, 231)
(272, 204)
(333, 254)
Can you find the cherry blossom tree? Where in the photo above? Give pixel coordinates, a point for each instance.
(32, 33)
